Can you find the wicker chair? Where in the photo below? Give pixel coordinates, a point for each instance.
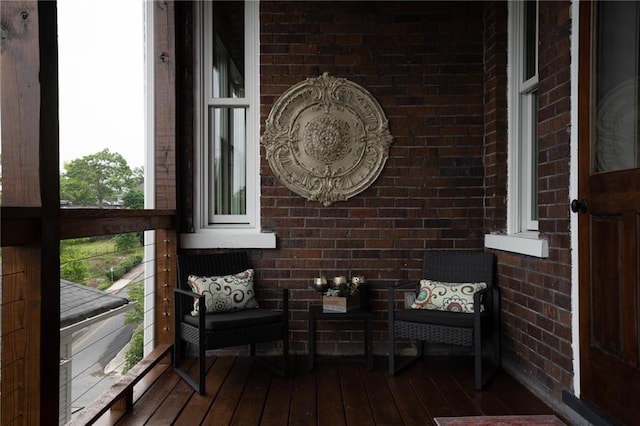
(434, 326)
(221, 330)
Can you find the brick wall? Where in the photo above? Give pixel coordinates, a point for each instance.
(495, 125)
(438, 69)
(536, 293)
(423, 62)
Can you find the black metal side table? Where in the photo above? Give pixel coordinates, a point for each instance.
(316, 313)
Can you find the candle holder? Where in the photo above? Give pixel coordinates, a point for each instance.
(320, 284)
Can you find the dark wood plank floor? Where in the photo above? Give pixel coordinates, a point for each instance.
(240, 392)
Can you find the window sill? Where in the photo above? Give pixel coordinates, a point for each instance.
(528, 244)
(228, 238)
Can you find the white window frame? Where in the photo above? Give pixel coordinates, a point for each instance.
(227, 231)
(522, 228)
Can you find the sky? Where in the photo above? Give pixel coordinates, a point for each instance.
(101, 76)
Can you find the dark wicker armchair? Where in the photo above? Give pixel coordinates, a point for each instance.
(226, 329)
(458, 328)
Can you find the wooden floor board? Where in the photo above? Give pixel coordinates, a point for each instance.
(380, 399)
(198, 405)
(357, 407)
(251, 405)
(330, 407)
(303, 409)
(278, 404)
(226, 402)
(340, 393)
(151, 400)
(407, 401)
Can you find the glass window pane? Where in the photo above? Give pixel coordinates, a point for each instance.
(617, 86)
(534, 157)
(229, 148)
(228, 49)
(530, 39)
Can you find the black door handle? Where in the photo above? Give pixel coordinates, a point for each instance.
(579, 206)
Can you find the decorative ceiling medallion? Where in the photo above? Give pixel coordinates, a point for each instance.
(327, 139)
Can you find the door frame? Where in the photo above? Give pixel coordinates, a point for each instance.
(573, 194)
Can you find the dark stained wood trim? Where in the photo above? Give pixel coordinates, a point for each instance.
(584, 168)
(185, 112)
(91, 222)
(21, 226)
(50, 200)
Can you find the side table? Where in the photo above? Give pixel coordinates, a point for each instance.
(316, 313)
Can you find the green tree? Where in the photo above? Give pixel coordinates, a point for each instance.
(135, 351)
(127, 241)
(137, 177)
(73, 267)
(96, 178)
(135, 316)
(134, 199)
(136, 294)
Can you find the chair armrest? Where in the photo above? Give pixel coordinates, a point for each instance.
(180, 302)
(486, 299)
(185, 298)
(405, 285)
(402, 287)
(180, 292)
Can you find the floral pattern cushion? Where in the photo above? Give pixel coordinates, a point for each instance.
(443, 296)
(225, 293)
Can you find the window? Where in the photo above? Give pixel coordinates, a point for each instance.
(522, 208)
(227, 153)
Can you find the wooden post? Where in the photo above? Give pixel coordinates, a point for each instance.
(31, 288)
(165, 164)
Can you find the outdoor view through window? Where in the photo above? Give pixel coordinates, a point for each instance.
(102, 145)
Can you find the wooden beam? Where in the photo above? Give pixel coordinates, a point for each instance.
(21, 225)
(77, 223)
(22, 337)
(50, 202)
(164, 49)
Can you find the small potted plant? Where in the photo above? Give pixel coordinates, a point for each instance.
(342, 297)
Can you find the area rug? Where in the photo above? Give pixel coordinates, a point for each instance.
(500, 421)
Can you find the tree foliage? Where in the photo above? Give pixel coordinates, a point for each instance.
(135, 351)
(136, 316)
(134, 199)
(127, 241)
(97, 178)
(136, 294)
(73, 266)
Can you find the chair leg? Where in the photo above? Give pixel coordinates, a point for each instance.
(201, 369)
(285, 356)
(392, 351)
(484, 373)
(477, 358)
(178, 356)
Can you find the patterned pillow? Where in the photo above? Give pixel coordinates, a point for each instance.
(442, 296)
(225, 293)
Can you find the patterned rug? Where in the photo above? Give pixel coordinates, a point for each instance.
(499, 421)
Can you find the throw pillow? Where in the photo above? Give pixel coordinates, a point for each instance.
(225, 293)
(443, 296)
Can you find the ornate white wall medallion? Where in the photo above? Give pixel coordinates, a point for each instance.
(327, 139)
